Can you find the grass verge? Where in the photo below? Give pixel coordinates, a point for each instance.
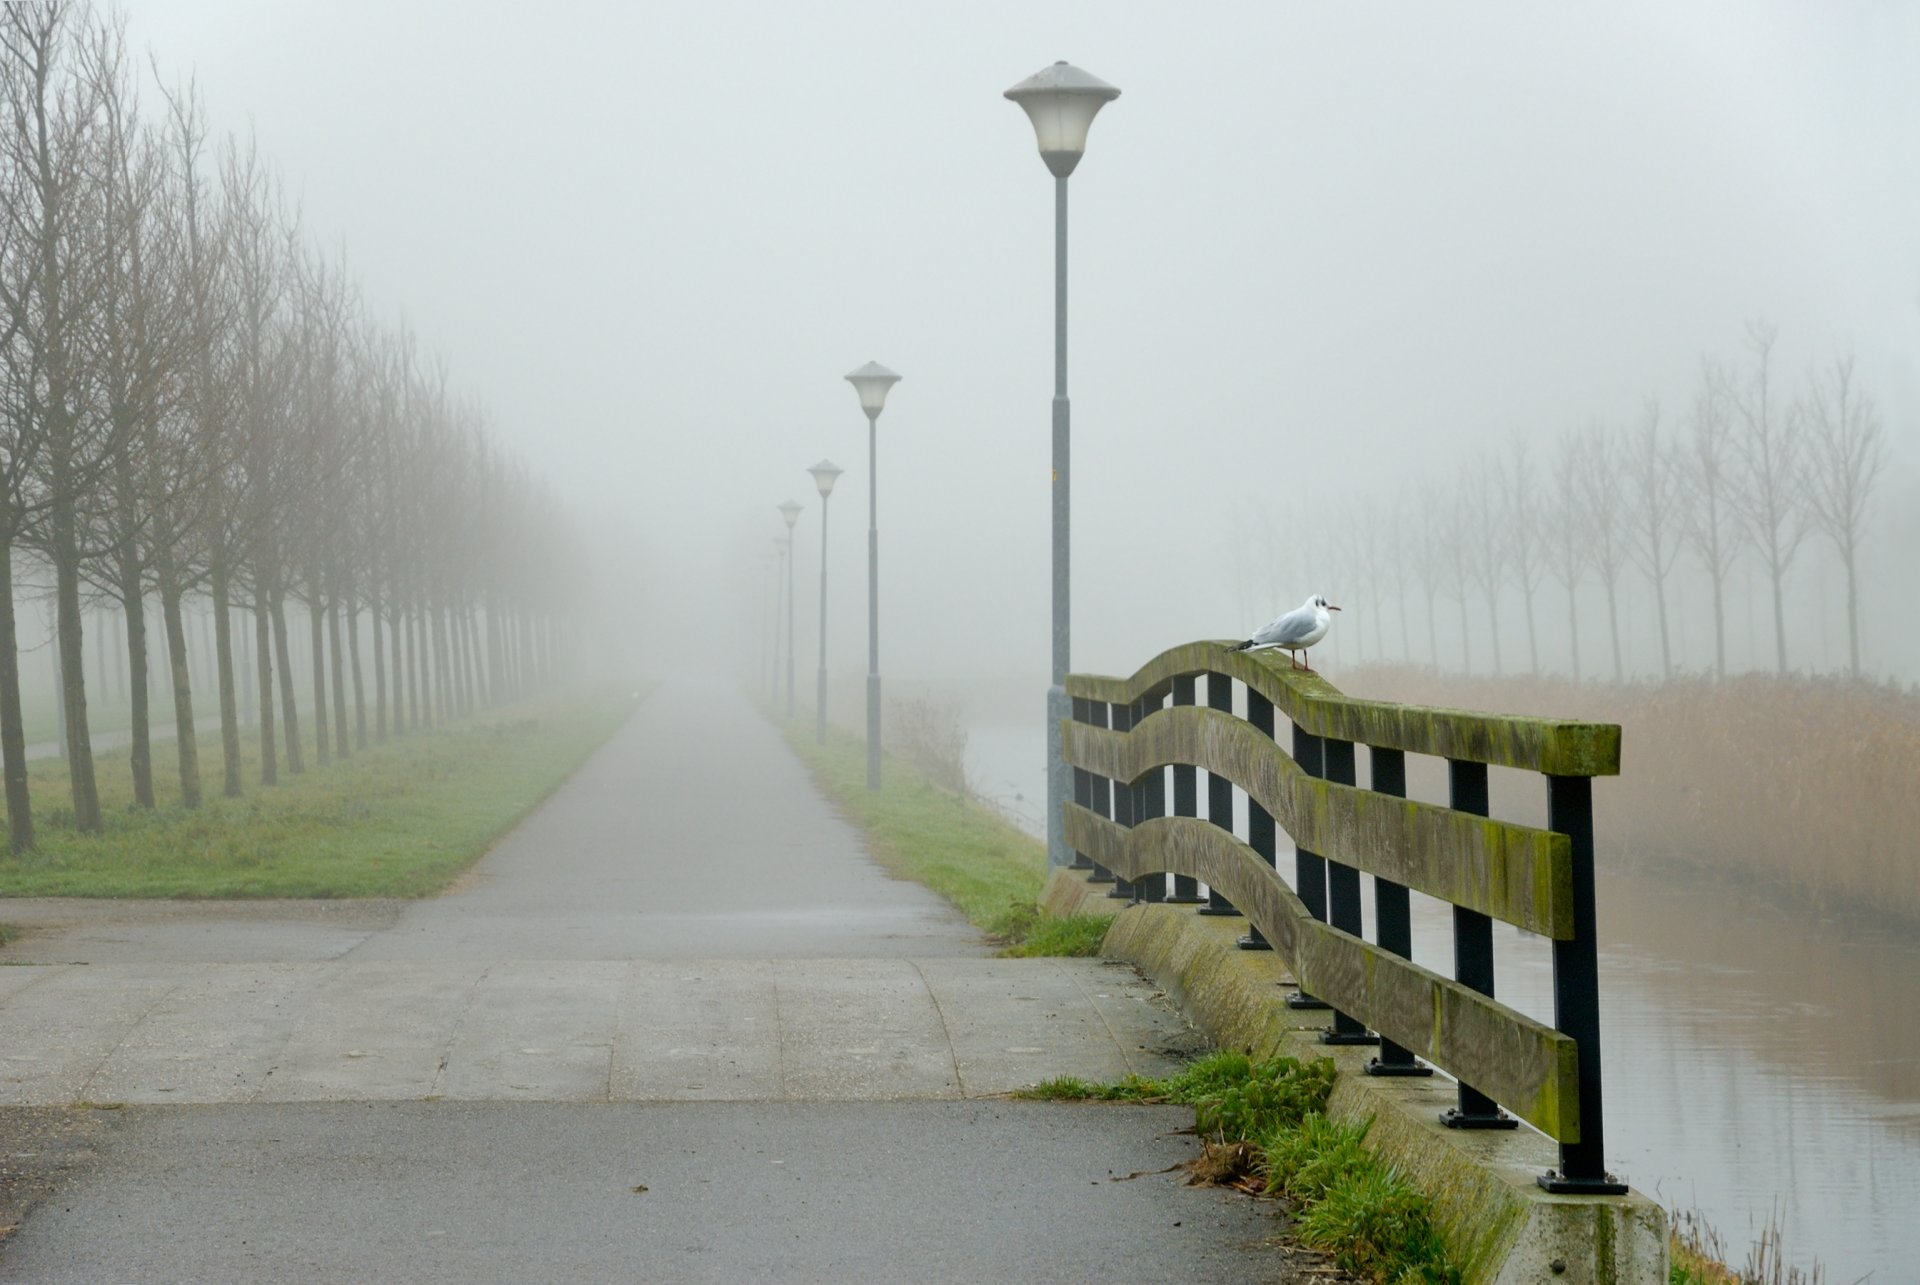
(396, 820)
(991, 871)
(1265, 1129)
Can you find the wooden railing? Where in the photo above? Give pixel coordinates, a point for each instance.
(1126, 732)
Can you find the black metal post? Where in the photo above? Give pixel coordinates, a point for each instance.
(1082, 779)
(1576, 995)
(1122, 889)
(1392, 909)
(1261, 831)
(1102, 790)
(1472, 950)
(1151, 803)
(1343, 892)
(1219, 790)
(1186, 798)
(1309, 871)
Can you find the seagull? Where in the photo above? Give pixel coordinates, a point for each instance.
(1296, 631)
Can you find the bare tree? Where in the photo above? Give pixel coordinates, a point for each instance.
(1770, 482)
(1654, 479)
(1521, 509)
(1847, 450)
(1487, 537)
(1707, 519)
(1566, 530)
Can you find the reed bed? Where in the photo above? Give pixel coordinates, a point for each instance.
(1808, 783)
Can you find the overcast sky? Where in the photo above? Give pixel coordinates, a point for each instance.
(1317, 251)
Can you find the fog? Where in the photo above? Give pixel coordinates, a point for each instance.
(1319, 255)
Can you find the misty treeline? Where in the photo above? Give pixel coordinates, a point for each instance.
(197, 415)
(1756, 466)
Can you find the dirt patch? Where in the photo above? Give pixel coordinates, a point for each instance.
(40, 1147)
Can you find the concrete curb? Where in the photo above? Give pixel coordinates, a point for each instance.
(1499, 1225)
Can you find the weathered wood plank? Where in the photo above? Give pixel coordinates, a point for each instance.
(1514, 873)
(1529, 1068)
(1561, 747)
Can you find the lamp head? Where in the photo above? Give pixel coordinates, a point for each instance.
(791, 512)
(824, 474)
(1062, 101)
(872, 381)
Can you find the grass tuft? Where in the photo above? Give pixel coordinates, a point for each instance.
(1264, 1128)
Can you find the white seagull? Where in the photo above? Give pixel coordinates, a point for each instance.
(1296, 631)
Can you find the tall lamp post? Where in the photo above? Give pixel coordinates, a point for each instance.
(872, 381)
(791, 512)
(1061, 101)
(824, 475)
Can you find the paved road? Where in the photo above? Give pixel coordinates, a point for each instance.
(681, 973)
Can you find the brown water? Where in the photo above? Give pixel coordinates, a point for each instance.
(1760, 1062)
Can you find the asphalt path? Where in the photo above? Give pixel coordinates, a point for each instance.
(683, 973)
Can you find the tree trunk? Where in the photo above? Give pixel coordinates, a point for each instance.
(316, 615)
(1719, 625)
(73, 678)
(1779, 616)
(1853, 612)
(263, 672)
(1573, 627)
(494, 692)
(140, 730)
(1613, 627)
(339, 675)
(1533, 639)
(1666, 645)
(289, 707)
(186, 740)
(223, 676)
(443, 669)
(1493, 628)
(359, 689)
(397, 660)
(422, 695)
(13, 737)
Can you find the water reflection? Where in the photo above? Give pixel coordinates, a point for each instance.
(1756, 1059)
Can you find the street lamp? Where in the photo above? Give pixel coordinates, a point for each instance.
(872, 381)
(791, 512)
(1061, 101)
(824, 475)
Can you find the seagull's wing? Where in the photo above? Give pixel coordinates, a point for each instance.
(1288, 629)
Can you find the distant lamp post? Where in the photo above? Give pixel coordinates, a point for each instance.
(782, 550)
(791, 512)
(872, 381)
(824, 475)
(1061, 101)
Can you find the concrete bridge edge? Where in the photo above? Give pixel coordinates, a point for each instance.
(1501, 1227)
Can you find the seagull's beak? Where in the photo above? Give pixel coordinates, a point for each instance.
(1331, 607)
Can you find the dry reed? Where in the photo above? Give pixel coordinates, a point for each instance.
(1810, 784)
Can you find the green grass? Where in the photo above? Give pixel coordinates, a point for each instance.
(1269, 1119)
(991, 871)
(397, 820)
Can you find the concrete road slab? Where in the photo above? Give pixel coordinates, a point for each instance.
(466, 1192)
(536, 1031)
(698, 1030)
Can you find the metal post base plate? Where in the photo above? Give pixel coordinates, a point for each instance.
(1300, 1001)
(1554, 1182)
(1254, 941)
(1080, 862)
(1376, 1067)
(1348, 1037)
(1223, 911)
(1097, 877)
(1455, 1118)
(1180, 900)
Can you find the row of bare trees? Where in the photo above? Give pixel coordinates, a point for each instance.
(1754, 469)
(194, 406)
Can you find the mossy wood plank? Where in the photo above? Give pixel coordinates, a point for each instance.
(1514, 873)
(1561, 747)
(1529, 1068)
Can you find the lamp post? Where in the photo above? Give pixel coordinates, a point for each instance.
(782, 551)
(1061, 101)
(824, 475)
(771, 656)
(791, 512)
(872, 381)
